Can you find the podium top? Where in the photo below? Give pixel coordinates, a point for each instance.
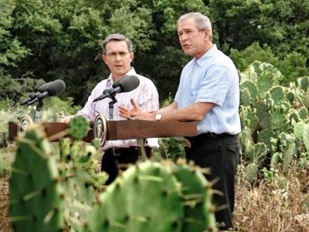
(125, 129)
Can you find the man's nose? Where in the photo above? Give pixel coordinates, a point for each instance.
(118, 56)
(183, 37)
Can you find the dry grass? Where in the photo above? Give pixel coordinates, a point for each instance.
(4, 192)
(277, 205)
(280, 204)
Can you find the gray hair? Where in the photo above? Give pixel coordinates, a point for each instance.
(202, 21)
(117, 37)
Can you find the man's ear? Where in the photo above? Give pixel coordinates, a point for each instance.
(132, 56)
(207, 34)
(104, 58)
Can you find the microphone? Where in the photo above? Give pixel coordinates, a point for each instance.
(125, 84)
(47, 90)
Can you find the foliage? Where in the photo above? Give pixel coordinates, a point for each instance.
(66, 192)
(282, 24)
(6, 159)
(62, 196)
(8, 114)
(283, 200)
(15, 90)
(285, 63)
(252, 53)
(272, 31)
(61, 39)
(53, 110)
(271, 117)
(11, 49)
(180, 196)
(60, 107)
(66, 36)
(170, 148)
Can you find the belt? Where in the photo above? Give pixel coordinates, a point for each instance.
(209, 137)
(124, 150)
(213, 135)
(130, 150)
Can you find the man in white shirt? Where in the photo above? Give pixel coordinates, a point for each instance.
(118, 55)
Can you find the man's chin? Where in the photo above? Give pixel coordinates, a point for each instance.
(120, 72)
(188, 52)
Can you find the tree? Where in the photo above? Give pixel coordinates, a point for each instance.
(278, 27)
(46, 39)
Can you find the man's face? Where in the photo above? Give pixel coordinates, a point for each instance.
(193, 41)
(118, 58)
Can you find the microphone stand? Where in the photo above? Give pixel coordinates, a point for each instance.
(37, 113)
(111, 105)
(26, 120)
(140, 142)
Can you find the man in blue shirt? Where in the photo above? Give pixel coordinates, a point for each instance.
(208, 93)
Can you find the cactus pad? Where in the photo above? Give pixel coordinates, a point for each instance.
(78, 127)
(145, 198)
(35, 194)
(196, 193)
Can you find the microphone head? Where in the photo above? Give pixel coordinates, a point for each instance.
(127, 83)
(53, 88)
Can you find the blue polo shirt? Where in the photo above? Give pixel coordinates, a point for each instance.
(212, 78)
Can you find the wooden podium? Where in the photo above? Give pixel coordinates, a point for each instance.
(126, 129)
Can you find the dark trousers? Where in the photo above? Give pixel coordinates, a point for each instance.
(115, 159)
(220, 153)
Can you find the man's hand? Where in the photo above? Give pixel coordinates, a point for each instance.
(135, 113)
(66, 119)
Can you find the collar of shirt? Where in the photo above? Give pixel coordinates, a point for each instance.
(208, 55)
(110, 80)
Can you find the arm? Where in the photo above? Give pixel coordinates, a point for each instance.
(194, 112)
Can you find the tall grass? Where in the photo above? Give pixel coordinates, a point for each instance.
(4, 218)
(279, 203)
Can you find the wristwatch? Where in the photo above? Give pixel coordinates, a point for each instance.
(158, 117)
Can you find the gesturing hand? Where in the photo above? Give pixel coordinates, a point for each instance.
(133, 113)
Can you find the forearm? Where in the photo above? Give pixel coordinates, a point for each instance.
(183, 114)
(167, 109)
(195, 112)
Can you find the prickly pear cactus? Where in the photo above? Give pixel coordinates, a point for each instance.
(269, 110)
(53, 189)
(78, 127)
(158, 197)
(306, 136)
(36, 202)
(251, 171)
(145, 198)
(197, 196)
(248, 93)
(81, 180)
(301, 131)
